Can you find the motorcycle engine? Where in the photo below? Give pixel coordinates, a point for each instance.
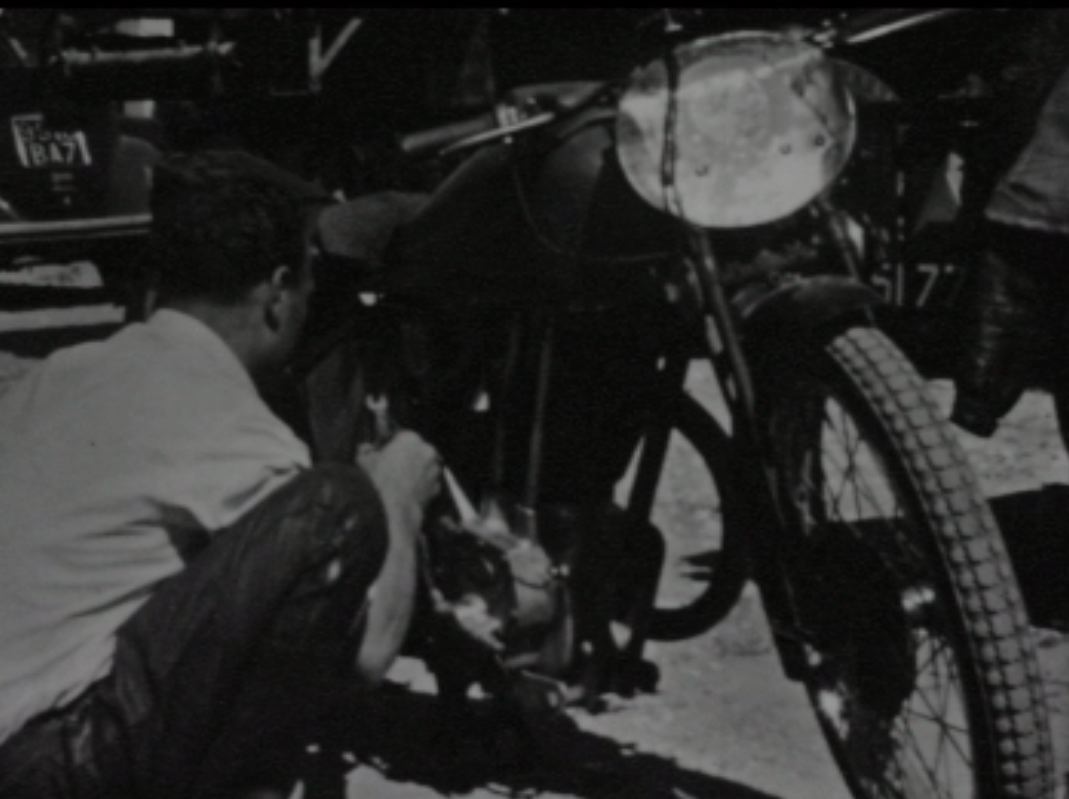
(502, 592)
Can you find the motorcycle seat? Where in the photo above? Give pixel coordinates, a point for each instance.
(362, 229)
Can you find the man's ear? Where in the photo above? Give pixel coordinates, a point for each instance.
(283, 278)
(279, 295)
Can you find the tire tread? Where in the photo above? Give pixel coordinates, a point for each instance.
(974, 555)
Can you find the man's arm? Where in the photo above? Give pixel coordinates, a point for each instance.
(406, 473)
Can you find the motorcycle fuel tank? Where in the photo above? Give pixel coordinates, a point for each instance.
(544, 219)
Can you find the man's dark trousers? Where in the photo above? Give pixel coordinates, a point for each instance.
(219, 677)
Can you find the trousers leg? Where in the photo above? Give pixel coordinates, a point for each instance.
(1005, 324)
(219, 677)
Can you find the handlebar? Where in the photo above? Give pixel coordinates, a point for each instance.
(525, 108)
(876, 24)
(437, 138)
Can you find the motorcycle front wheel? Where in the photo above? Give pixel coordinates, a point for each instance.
(895, 592)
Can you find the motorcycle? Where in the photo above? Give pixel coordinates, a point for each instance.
(537, 318)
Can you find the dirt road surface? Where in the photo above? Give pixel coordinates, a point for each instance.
(724, 722)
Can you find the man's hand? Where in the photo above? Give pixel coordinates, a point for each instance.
(407, 473)
(406, 469)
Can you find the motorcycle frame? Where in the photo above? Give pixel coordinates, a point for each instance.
(799, 304)
(806, 305)
(811, 305)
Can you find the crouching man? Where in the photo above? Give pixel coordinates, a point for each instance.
(179, 588)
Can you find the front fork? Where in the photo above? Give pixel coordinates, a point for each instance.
(757, 468)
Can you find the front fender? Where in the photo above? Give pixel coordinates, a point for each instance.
(803, 308)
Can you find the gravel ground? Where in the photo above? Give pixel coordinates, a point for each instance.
(724, 722)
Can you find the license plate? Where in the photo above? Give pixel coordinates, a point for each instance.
(39, 146)
(917, 285)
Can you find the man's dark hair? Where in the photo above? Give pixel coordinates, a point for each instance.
(223, 221)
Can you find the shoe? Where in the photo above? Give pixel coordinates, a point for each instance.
(975, 415)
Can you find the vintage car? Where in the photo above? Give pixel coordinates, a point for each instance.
(89, 99)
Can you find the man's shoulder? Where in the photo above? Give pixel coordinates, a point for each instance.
(152, 391)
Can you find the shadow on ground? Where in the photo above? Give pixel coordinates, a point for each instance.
(408, 738)
(1035, 525)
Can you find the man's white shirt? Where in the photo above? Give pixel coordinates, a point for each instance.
(112, 455)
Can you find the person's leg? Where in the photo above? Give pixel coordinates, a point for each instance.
(256, 639)
(1005, 325)
(1027, 239)
(218, 678)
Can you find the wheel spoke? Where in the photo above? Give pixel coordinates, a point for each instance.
(851, 470)
(836, 497)
(933, 779)
(936, 716)
(943, 739)
(938, 719)
(936, 651)
(941, 723)
(893, 519)
(937, 710)
(859, 534)
(860, 488)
